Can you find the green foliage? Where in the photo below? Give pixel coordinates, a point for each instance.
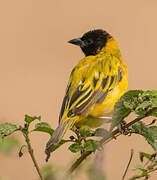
(140, 167)
(43, 127)
(75, 147)
(85, 131)
(142, 103)
(7, 129)
(149, 133)
(148, 102)
(90, 145)
(152, 93)
(138, 101)
(147, 168)
(124, 106)
(143, 155)
(29, 119)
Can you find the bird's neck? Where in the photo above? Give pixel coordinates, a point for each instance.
(111, 47)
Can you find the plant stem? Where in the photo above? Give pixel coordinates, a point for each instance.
(30, 150)
(103, 141)
(131, 156)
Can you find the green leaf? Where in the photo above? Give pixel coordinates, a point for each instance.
(149, 101)
(148, 132)
(123, 107)
(29, 119)
(90, 145)
(75, 147)
(140, 167)
(85, 131)
(154, 102)
(8, 144)
(7, 129)
(153, 144)
(139, 128)
(141, 109)
(154, 114)
(152, 131)
(43, 127)
(101, 132)
(152, 93)
(146, 155)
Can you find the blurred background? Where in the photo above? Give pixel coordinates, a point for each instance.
(36, 60)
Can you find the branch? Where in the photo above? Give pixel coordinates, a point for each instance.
(30, 150)
(142, 175)
(131, 156)
(103, 141)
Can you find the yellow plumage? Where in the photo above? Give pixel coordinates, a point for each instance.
(95, 84)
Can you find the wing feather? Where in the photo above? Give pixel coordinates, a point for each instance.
(89, 85)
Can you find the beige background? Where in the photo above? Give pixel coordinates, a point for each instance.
(35, 62)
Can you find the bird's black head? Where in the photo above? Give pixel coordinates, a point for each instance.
(92, 41)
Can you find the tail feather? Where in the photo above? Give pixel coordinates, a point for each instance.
(59, 132)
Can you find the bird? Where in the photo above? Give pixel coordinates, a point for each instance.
(95, 84)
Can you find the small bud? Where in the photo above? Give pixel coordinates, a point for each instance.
(20, 153)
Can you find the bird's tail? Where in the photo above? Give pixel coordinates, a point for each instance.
(59, 132)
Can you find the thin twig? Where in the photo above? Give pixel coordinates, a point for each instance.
(126, 170)
(30, 150)
(152, 170)
(142, 174)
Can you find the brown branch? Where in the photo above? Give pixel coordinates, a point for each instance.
(30, 150)
(152, 170)
(103, 141)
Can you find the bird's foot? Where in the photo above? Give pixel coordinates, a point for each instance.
(123, 130)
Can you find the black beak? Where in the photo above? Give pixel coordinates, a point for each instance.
(76, 41)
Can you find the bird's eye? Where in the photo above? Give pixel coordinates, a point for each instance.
(89, 41)
(98, 39)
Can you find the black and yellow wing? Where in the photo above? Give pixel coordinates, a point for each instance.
(89, 84)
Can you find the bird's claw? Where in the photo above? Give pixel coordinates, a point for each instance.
(123, 130)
